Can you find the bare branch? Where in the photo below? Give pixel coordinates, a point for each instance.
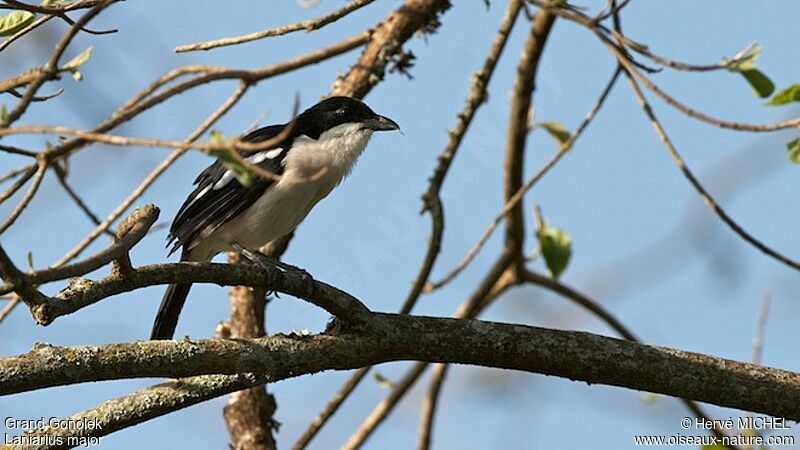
(704, 194)
(249, 412)
(50, 69)
(519, 195)
(131, 231)
(571, 354)
(431, 203)
(82, 293)
(385, 41)
(61, 175)
(153, 176)
(429, 404)
(27, 172)
(25, 201)
(34, 25)
(307, 25)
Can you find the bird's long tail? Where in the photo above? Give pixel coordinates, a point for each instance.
(170, 308)
(168, 312)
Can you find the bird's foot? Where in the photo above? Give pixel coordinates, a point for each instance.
(268, 263)
(265, 262)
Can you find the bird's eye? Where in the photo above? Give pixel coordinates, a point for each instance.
(340, 112)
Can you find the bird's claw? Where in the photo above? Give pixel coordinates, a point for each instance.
(267, 263)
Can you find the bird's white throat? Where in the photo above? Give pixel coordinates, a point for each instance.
(336, 151)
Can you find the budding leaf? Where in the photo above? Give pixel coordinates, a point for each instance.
(557, 130)
(745, 64)
(745, 59)
(794, 150)
(788, 95)
(3, 114)
(556, 246)
(239, 170)
(30, 261)
(78, 60)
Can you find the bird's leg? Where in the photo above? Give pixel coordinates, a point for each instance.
(263, 261)
(267, 263)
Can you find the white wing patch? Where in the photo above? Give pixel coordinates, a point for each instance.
(253, 159)
(199, 194)
(224, 179)
(261, 156)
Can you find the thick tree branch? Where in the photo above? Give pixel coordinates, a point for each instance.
(570, 354)
(386, 40)
(249, 412)
(518, 128)
(147, 404)
(82, 293)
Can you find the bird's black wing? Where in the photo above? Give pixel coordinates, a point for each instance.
(219, 197)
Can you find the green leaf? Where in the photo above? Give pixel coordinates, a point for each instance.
(78, 60)
(30, 261)
(557, 130)
(240, 171)
(3, 114)
(788, 95)
(15, 21)
(794, 150)
(762, 86)
(556, 245)
(745, 63)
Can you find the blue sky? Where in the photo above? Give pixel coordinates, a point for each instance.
(644, 245)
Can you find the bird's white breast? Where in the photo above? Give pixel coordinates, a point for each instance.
(312, 168)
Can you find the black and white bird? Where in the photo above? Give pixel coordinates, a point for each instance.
(221, 213)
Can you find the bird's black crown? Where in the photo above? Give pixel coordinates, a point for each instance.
(334, 111)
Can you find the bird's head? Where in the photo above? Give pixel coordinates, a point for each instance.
(340, 115)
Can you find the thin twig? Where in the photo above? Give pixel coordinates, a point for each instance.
(27, 173)
(17, 151)
(35, 24)
(429, 404)
(707, 198)
(50, 69)
(9, 307)
(492, 286)
(519, 194)
(61, 176)
(431, 203)
(761, 327)
(307, 25)
(25, 201)
(153, 176)
(606, 36)
(127, 112)
(13, 173)
(133, 229)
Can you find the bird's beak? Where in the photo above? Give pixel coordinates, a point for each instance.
(381, 123)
